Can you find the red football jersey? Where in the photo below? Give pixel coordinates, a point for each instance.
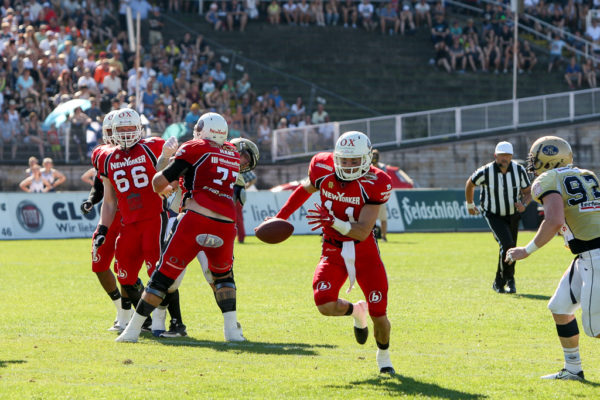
(213, 173)
(99, 154)
(131, 173)
(347, 198)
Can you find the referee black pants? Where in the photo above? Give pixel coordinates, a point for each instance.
(505, 230)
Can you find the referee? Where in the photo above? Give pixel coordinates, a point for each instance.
(505, 192)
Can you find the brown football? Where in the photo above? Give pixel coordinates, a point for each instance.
(274, 230)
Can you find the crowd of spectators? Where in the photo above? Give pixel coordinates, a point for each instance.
(58, 50)
(489, 46)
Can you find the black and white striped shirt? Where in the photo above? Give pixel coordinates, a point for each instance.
(500, 192)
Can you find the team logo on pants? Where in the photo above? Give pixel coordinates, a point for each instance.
(208, 240)
(322, 286)
(121, 274)
(375, 296)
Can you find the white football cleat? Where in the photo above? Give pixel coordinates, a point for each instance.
(128, 336)
(566, 375)
(159, 315)
(234, 334)
(384, 362)
(123, 317)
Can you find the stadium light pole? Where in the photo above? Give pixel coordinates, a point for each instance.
(516, 7)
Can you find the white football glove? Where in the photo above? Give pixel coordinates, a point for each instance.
(170, 146)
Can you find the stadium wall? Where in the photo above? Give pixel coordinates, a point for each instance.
(57, 215)
(444, 165)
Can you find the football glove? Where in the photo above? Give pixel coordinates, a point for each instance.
(98, 239)
(319, 217)
(170, 146)
(86, 207)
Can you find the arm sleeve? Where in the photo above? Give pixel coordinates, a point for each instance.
(97, 191)
(175, 169)
(298, 197)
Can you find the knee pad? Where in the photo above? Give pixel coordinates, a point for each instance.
(177, 282)
(568, 330)
(159, 284)
(134, 292)
(225, 291)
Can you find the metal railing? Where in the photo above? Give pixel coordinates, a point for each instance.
(293, 143)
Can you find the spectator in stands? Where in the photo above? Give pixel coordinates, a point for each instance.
(298, 108)
(79, 122)
(509, 53)
(135, 80)
(274, 13)
(492, 53)
(9, 136)
(442, 56)
(102, 71)
(33, 134)
(218, 75)
(318, 117)
(25, 84)
(212, 17)
(474, 55)
(388, 16)
(316, 12)
(406, 17)
(275, 96)
(192, 117)
(290, 12)
(573, 73)
(165, 79)
(35, 183)
(303, 13)
(589, 73)
(89, 82)
(326, 131)
(592, 33)
(439, 30)
(350, 13)
(556, 47)
(237, 16)
(527, 58)
(332, 12)
(470, 31)
(54, 177)
(149, 98)
(422, 13)
(155, 24)
(112, 83)
(457, 56)
(366, 13)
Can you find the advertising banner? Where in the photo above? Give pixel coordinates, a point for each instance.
(45, 216)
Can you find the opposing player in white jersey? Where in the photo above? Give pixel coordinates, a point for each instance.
(571, 199)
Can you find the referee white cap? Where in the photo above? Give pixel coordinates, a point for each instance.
(503, 148)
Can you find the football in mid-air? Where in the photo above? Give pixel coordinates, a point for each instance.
(274, 230)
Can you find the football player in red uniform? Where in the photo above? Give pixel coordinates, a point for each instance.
(210, 167)
(102, 259)
(127, 174)
(352, 191)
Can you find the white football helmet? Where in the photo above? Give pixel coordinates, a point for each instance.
(247, 146)
(352, 144)
(126, 128)
(211, 126)
(107, 128)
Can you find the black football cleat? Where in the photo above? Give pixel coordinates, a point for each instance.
(147, 326)
(387, 370)
(176, 329)
(497, 288)
(361, 334)
(512, 288)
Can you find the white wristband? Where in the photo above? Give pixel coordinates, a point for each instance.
(470, 206)
(531, 247)
(342, 227)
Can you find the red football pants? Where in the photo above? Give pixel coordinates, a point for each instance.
(138, 242)
(331, 274)
(106, 252)
(192, 233)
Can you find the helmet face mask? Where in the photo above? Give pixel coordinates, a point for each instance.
(352, 156)
(248, 148)
(548, 152)
(126, 128)
(211, 126)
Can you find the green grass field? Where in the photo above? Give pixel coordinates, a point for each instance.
(452, 336)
